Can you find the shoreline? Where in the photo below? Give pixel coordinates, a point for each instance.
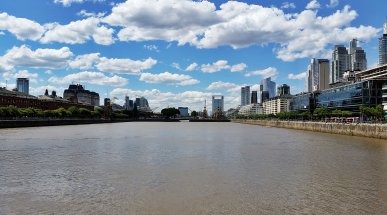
(378, 131)
(59, 122)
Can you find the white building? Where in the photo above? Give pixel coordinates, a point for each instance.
(276, 105)
(251, 109)
(340, 63)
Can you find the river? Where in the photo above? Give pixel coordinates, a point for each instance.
(189, 168)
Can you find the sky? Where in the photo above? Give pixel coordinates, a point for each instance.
(177, 52)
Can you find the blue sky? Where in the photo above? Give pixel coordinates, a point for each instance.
(177, 52)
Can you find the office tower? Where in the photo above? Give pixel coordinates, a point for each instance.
(23, 85)
(340, 63)
(317, 77)
(245, 95)
(264, 96)
(106, 102)
(358, 58)
(254, 97)
(283, 90)
(78, 94)
(127, 105)
(383, 47)
(217, 103)
(269, 86)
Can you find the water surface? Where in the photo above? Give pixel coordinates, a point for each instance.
(189, 168)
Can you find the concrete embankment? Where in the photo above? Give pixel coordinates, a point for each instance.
(362, 129)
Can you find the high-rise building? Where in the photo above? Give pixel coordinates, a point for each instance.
(77, 94)
(254, 97)
(127, 104)
(269, 86)
(23, 85)
(283, 90)
(217, 103)
(317, 77)
(340, 63)
(383, 47)
(358, 58)
(183, 111)
(142, 104)
(245, 95)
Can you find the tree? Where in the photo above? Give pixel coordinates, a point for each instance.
(169, 112)
(194, 114)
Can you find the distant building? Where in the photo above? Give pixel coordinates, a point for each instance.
(106, 102)
(269, 86)
(317, 77)
(264, 96)
(127, 103)
(383, 47)
(340, 63)
(142, 104)
(358, 58)
(183, 111)
(251, 109)
(77, 94)
(277, 105)
(23, 85)
(283, 90)
(217, 103)
(254, 97)
(245, 95)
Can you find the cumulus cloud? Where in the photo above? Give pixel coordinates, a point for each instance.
(222, 65)
(168, 78)
(96, 78)
(236, 24)
(333, 3)
(41, 90)
(299, 76)
(67, 3)
(288, 5)
(218, 85)
(192, 67)
(265, 73)
(238, 67)
(314, 4)
(22, 28)
(84, 62)
(151, 48)
(78, 32)
(23, 56)
(33, 77)
(124, 66)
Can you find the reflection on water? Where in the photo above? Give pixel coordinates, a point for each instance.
(189, 168)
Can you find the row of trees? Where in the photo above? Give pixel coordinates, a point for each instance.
(320, 113)
(71, 112)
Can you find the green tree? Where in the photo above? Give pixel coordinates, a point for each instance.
(169, 112)
(194, 114)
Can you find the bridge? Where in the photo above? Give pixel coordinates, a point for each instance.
(377, 73)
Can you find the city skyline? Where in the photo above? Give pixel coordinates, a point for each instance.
(141, 54)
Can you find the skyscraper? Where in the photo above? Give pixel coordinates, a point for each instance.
(283, 90)
(317, 77)
(358, 58)
(340, 63)
(217, 103)
(127, 105)
(23, 85)
(254, 97)
(245, 95)
(383, 47)
(269, 86)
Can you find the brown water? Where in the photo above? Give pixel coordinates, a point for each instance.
(189, 168)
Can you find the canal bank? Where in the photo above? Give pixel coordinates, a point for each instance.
(352, 129)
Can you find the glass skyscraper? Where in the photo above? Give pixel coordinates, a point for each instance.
(245, 95)
(383, 47)
(269, 86)
(23, 85)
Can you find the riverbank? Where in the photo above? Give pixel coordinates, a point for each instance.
(352, 129)
(58, 122)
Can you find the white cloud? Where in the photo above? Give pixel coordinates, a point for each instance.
(238, 67)
(215, 67)
(86, 61)
(42, 89)
(176, 66)
(299, 76)
(67, 3)
(151, 48)
(124, 66)
(288, 5)
(48, 72)
(268, 72)
(333, 3)
(314, 4)
(79, 31)
(23, 56)
(84, 13)
(192, 67)
(221, 85)
(33, 77)
(168, 78)
(96, 78)
(22, 28)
